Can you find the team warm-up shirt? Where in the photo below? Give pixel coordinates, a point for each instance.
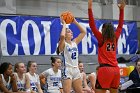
(70, 55)
(107, 50)
(6, 84)
(21, 83)
(34, 80)
(53, 79)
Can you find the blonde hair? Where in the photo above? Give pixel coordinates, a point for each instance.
(17, 66)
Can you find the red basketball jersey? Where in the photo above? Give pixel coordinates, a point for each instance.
(106, 50)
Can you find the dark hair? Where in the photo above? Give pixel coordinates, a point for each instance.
(57, 50)
(53, 59)
(4, 66)
(108, 32)
(17, 66)
(138, 60)
(79, 62)
(29, 64)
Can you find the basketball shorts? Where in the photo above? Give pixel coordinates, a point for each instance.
(72, 73)
(108, 77)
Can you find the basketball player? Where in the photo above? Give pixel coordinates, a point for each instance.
(71, 74)
(86, 88)
(23, 82)
(34, 78)
(53, 76)
(7, 78)
(108, 76)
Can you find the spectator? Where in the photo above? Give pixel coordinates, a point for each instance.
(135, 75)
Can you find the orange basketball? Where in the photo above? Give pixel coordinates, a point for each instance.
(67, 17)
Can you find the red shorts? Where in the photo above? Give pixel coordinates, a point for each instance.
(108, 77)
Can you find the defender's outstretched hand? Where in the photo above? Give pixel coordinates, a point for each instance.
(121, 4)
(89, 4)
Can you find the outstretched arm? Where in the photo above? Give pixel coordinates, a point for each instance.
(92, 25)
(82, 32)
(121, 18)
(61, 44)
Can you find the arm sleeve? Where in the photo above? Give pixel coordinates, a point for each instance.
(92, 25)
(119, 28)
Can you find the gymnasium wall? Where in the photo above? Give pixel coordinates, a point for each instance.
(77, 7)
(90, 62)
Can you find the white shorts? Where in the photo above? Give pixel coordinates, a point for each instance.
(53, 91)
(72, 73)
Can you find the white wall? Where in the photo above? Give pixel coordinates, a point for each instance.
(7, 7)
(55, 7)
(128, 13)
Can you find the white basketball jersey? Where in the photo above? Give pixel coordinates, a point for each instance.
(70, 54)
(34, 80)
(21, 83)
(53, 79)
(6, 84)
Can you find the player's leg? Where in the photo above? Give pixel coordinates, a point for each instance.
(77, 81)
(77, 86)
(99, 89)
(113, 90)
(116, 80)
(92, 79)
(67, 79)
(67, 83)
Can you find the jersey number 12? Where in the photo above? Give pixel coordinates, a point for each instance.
(73, 55)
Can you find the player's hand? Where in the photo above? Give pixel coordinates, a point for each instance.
(62, 20)
(75, 21)
(121, 4)
(89, 4)
(13, 77)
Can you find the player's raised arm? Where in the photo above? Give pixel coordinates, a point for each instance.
(82, 32)
(91, 17)
(92, 25)
(121, 6)
(62, 36)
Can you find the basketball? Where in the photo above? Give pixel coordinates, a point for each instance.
(67, 17)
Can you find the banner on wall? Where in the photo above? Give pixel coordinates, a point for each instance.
(31, 35)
